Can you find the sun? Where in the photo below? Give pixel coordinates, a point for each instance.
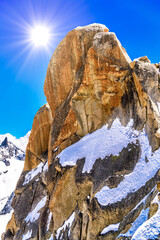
(40, 36)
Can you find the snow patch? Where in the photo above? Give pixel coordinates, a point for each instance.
(143, 216)
(49, 220)
(4, 219)
(27, 235)
(67, 223)
(34, 214)
(51, 237)
(92, 27)
(137, 223)
(99, 144)
(11, 166)
(21, 143)
(112, 227)
(138, 178)
(34, 172)
(158, 106)
(150, 229)
(9, 176)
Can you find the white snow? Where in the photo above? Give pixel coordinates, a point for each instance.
(27, 235)
(3, 202)
(142, 172)
(112, 227)
(9, 179)
(92, 27)
(158, 104)
(155, 200)
(34, 172)
(150, 229)
(20, 143)
(49, 220)
(9, 174)
(137, 223)
(99, 144)
(143, 216)
(34, 214)
(67, 223)
(51, 237)
(105, 142)
(135, 60)
(4, 219)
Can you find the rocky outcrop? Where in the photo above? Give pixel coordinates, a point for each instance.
(92, 61)
(39, 137)
(92, 159)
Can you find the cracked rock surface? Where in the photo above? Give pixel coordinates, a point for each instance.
(93, 158)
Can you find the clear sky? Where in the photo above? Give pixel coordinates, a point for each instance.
(23, 65)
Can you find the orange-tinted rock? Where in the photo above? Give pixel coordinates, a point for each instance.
(146, 80)
(39, 137)
(11, 226)
(66, 66)
(141, 94)
(85, 81)
(103, 85)
(68, 129)
(90, 81)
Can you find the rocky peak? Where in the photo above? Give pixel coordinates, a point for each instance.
(144, 59)
(86, 168)
(5, 142)
(9, 150)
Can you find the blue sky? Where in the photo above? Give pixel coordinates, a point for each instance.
(23, 67)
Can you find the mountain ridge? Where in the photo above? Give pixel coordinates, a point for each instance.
(11, 165)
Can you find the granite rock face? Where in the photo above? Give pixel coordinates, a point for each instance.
(38, 141)
(93, 158)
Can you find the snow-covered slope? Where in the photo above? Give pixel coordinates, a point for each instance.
(150, 228)
(113, 140)
(21, 143)
(12, 154)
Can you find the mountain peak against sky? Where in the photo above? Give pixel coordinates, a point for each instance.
(20, 142)
(23, 67)
(92, 162)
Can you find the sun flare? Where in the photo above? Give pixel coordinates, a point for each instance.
(40, 36)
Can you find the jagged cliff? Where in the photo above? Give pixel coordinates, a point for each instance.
(92, 162)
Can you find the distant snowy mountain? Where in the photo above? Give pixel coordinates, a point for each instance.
(20, 143)
(12, 155)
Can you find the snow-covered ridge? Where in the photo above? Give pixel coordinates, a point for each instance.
(99, 144)
(92, 27)
(35, 171)
(143, 171)
(143, 216)
(150, 229)
(12, 153)
(21, 143)
(105, 142)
